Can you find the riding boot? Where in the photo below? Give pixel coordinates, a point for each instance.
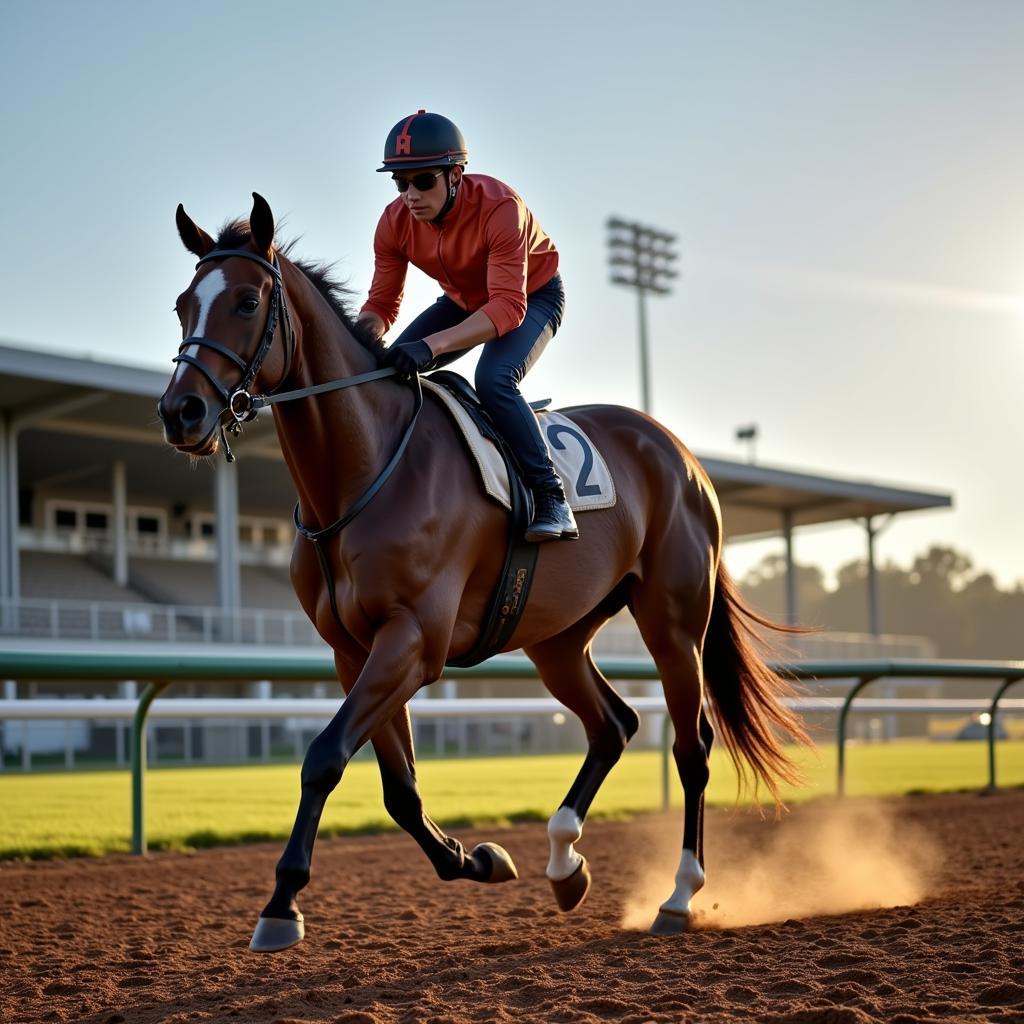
(552, 517)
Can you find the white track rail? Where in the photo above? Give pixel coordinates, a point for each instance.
(181, 708)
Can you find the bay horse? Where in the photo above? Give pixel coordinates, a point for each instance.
(413, 573)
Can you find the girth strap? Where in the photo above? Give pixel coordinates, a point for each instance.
(508, 600)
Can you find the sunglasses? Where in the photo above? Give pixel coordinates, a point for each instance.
(423, 182)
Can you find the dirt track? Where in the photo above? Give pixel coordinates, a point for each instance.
(164, 939)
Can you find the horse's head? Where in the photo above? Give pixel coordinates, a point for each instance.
(235, 331)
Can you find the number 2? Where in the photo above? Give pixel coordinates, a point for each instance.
(583, 488)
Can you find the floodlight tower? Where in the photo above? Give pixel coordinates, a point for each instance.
(641, 258)
(748, 433)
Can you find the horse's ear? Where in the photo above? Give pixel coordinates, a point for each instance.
(261, 223)
(195, 239)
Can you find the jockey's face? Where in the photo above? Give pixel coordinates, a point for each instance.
(425, 204)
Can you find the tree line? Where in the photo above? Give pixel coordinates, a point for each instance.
(941, 595)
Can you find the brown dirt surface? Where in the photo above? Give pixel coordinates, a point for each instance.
(898, 911)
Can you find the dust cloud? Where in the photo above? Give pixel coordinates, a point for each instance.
(825, 859)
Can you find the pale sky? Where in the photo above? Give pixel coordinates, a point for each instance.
(846, 180)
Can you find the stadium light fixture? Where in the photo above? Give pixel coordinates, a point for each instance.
(748, 433)
(642, 258)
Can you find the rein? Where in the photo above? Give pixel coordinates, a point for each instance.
(243, 406)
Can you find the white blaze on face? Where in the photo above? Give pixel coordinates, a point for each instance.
(206, 291)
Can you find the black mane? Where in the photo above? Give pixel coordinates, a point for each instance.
(236, 235)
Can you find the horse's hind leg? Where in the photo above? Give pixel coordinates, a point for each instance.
(673, 625)
(569, 673)
(487, 862)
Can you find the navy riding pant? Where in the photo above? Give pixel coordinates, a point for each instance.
(504, 361)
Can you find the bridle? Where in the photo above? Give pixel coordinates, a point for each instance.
(238, 400)
(243, 406)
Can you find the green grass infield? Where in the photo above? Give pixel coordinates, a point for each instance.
(87, 813)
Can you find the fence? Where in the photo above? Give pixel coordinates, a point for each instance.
(162, 669)
(29, 619)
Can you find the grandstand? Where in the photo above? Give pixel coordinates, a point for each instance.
(109, 537)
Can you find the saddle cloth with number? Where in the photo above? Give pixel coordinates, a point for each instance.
(585, 475)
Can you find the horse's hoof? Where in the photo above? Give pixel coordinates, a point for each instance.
(572, 891)
(670, 922)
(276, 933)
(503, 868)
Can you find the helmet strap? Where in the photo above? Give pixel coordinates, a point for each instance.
(453, 191)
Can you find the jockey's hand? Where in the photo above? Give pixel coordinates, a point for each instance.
(409, 357)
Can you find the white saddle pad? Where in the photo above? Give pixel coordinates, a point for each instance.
(585, 475)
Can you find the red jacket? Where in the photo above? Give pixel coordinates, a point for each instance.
(488, 254)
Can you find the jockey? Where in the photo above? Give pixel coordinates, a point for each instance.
(501, 287)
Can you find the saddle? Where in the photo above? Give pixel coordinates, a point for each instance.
(509, 598)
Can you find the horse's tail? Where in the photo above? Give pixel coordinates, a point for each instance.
(746, 694)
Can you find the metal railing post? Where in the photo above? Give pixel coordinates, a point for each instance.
(993, 708)
(139, 767)
(841, 733)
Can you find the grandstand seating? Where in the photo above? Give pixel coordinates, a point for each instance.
(265, 587)
(172, 581)
(50, 575)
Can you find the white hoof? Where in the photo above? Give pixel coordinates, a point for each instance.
(275, 933)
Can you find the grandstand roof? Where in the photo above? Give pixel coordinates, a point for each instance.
(755, 497)
(104, 411)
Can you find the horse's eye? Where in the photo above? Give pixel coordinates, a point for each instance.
(249, 304)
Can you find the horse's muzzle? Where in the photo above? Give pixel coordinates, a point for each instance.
(189, 423)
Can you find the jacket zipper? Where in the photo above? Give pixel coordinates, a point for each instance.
(440, 258)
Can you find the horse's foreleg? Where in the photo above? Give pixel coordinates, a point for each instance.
(393, 672)
(396, 758)
(487, 862)
(570, 674)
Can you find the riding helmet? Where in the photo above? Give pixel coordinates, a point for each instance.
(424, 140)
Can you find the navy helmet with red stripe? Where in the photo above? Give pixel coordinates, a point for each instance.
(424, 140)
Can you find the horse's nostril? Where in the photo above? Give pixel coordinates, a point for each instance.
(193, 410)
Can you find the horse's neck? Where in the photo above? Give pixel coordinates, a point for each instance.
(335, 444)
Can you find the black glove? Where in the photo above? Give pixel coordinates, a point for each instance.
(409, 357)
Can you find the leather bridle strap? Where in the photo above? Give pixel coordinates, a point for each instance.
(318, 537)
(223, 350)
(322, 536)
(262, 401)
(244, 411)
